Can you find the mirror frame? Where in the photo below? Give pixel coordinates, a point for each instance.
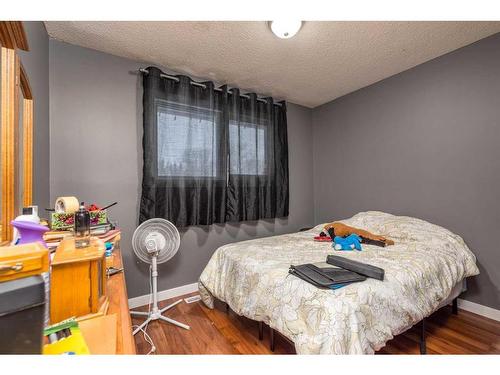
(14, 80)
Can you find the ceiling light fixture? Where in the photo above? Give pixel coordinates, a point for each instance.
(285, 29)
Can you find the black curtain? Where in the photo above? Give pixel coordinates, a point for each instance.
(258, 158)
(211, 155)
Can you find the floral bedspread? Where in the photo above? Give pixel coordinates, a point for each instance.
(420, 272)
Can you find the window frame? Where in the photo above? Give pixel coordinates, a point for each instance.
(220, 163)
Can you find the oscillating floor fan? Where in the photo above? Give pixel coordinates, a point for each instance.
(154, 242)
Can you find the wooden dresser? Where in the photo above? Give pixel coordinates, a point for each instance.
(116, 322)
(118, 304)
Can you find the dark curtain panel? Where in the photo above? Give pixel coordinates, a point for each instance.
(185, 154)
(210, 155)
(258, 158)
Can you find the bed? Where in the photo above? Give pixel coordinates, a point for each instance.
(423, 270)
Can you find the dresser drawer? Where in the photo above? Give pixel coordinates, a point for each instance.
(22, 261)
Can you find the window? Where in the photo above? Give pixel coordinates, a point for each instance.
(187, 141)
(247, 147)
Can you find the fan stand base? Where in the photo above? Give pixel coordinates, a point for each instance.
(156, 314)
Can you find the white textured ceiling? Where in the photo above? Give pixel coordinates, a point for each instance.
(323, 61)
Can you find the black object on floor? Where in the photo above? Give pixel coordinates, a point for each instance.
(271, 340)
(454, 306)
(423, 343)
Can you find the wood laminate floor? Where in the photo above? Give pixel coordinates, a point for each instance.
(217, 332)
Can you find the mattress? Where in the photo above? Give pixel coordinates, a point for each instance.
(458, 289)
(421, 271)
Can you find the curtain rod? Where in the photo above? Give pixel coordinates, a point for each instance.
(173, 78)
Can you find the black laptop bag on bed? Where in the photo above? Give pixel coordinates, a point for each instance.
(327, 278)
(355, 266)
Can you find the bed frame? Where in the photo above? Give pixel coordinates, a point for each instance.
(422, 343)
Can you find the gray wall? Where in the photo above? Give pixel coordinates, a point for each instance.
(423, 143)
(36, 63)
(96, 154)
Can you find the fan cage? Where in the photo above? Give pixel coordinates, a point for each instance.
(163, 228)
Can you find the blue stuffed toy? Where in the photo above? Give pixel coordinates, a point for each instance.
(351, 242)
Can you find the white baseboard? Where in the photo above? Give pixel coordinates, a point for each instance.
(482, 310)
(164, 294)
